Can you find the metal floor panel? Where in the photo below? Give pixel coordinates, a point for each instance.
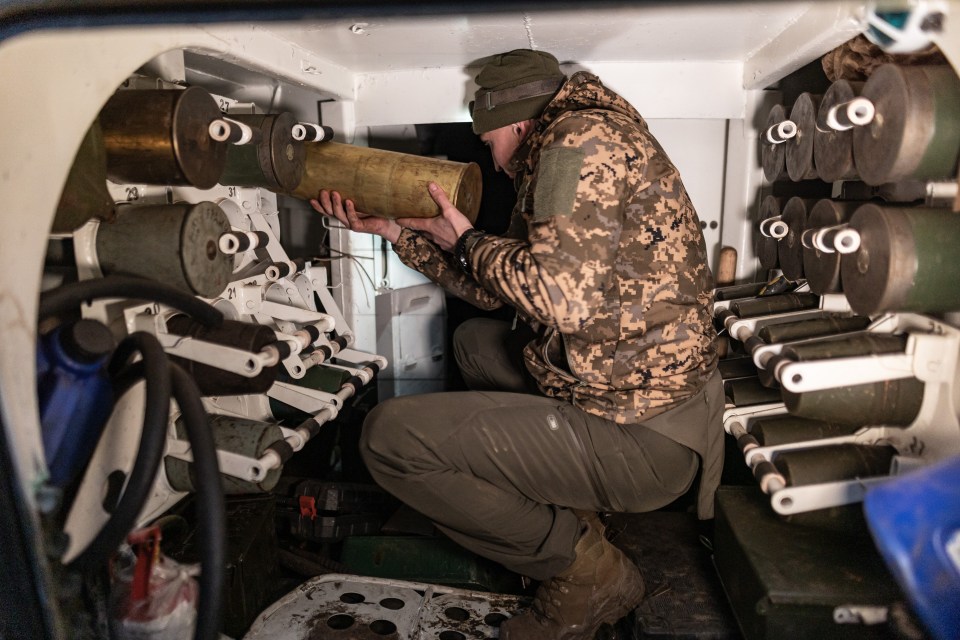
(345, 607)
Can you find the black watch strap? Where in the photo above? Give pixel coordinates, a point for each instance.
(465, 242)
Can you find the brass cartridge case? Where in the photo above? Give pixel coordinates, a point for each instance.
(162, 137)
(389, 184)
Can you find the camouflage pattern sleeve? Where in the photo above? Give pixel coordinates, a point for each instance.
(417, 252)
(563, 274)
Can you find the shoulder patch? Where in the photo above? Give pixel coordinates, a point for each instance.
(557, 181)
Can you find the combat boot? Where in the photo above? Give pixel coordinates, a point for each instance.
(601, 586)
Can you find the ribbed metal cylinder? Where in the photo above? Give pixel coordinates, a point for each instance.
(799, 148)
(863, 343)
(275, 162)
(214, 381)
(732, 368)
(745, 392)
(822, 269)
(172, 243)
(916, 130)
(325, 379)
(739, 291)
(891, 402)
(790, 248)
(162, 137)
(780, 303)
(834, 463)
(237, 435)
(787, 331)
(778, 430)
(389, 184)
(833, 149)
(907, 260)
(772, 155)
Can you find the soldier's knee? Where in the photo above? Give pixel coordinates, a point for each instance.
(386, 436)
(372, 435)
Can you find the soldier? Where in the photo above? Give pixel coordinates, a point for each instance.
(606, 261)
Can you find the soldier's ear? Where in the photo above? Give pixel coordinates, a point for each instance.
(523, 127)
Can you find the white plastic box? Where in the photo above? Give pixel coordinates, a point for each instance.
(411, 334)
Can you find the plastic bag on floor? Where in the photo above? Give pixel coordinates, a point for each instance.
(153, 597)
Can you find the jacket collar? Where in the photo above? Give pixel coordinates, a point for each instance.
(582, 91)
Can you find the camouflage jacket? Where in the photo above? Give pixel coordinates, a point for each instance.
(605, 252)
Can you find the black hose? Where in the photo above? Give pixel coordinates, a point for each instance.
(210, 504)
(162, 379)
(210, 507)
(70, 296)
(153, 440)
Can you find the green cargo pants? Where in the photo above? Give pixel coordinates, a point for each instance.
(500, 471)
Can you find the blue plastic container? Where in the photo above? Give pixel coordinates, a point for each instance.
(915, 521)
(74, 394)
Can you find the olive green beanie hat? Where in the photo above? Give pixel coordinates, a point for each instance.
(513, 87)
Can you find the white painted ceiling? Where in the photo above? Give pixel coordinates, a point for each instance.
(684, 32)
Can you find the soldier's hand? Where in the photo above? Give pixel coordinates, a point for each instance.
(330, 203)
(443, 229)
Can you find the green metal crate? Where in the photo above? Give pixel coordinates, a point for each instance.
(432, 560)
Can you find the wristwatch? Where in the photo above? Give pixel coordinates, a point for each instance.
(466, 241)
